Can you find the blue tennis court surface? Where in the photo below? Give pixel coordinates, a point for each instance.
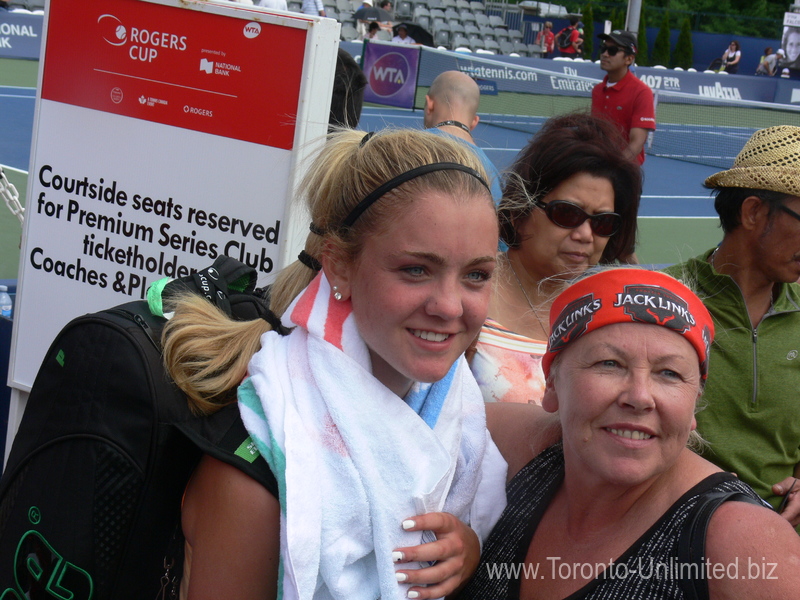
(16, 126)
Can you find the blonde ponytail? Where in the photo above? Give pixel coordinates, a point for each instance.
(207, 353)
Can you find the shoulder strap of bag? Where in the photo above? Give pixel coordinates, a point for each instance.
(215, 283)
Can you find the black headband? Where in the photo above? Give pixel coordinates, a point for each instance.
(359, 209)
(309, 261)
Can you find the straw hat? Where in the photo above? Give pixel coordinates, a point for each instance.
(770, 160)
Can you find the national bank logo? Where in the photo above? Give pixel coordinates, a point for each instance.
(390, 73)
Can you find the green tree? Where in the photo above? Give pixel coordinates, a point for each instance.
(617, 19)
(588, 31)
(642, 54)
(661, 47)
(684, 52)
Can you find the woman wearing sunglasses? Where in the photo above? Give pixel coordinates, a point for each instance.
(570, 202)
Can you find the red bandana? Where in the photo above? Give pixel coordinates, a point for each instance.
(628, 296)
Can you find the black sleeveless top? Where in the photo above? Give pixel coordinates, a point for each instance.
(653, 568)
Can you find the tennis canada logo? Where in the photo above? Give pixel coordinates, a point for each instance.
(389, 74)
(573, 320)
(656, 305)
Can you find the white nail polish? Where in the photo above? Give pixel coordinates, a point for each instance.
(408, 524)
(413, 594)
(397, 556)
(401, 577)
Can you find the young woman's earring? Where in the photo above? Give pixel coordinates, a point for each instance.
(336, 293)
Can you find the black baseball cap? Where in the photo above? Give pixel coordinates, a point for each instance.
(623, 39)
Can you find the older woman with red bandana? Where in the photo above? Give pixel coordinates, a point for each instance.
(621, 507)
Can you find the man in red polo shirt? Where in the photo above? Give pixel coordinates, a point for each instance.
(621, 96)
(572, 36)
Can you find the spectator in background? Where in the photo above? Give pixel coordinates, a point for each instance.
(731, 58)
(348, 92)
(402, 36)
(547, 40)
(573, 36)
(451, 108)
(569, 203)
(751, 420)
(791, 44)
(372, 30)
(313, 7)
(621, 97)
(769, 62)
(387, 6)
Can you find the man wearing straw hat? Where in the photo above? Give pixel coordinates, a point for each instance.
(752, 415)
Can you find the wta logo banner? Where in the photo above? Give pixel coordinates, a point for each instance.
(391, 72)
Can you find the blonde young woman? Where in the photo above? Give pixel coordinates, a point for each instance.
(366, 412)
(570, 202)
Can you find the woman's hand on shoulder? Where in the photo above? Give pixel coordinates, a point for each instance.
(751, 552)
(456, 552)
(791, 506)
(520, 431)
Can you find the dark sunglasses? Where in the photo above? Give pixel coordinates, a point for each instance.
(611, 50)
(571, 216)
(789, 211)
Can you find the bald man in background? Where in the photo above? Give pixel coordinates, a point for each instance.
(451, 108)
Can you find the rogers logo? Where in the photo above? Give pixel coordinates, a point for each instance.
(112, 30)
(252, 30)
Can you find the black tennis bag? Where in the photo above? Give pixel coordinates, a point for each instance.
(90, 497)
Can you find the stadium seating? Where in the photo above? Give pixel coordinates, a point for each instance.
(442, 37)
(506, 47)
(501, 33)
(420, 11)
(487, 33)
(492, 46)
(403, 10)
(521, 48)
(467, 17)
(476, 44)
(457, 28)
(348, 33)
(459, 41)
(453, 24)
(473, 33)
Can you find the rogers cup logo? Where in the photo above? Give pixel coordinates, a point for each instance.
(113, 31)
(389, 74)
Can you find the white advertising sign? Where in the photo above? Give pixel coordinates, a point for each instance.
(166, 134)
